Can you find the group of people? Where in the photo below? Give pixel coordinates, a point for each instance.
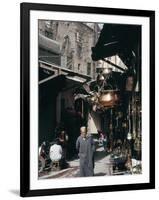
(56, 152)
(84, 145)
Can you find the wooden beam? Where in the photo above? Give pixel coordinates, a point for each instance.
(47, 79)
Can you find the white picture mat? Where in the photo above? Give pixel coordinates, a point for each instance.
(91, 181)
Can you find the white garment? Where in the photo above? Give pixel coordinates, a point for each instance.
(55, 152)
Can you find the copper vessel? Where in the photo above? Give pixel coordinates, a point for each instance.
(109, 98)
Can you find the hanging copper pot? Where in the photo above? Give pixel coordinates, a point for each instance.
(109, 98)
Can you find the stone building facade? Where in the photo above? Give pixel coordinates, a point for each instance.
(75, 40)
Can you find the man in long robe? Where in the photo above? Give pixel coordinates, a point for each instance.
(85, 147)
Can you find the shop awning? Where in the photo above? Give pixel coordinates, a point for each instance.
(117, 39)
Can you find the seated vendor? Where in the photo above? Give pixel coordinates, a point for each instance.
(56, 151)
(56, 154)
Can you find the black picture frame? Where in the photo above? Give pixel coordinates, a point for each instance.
(25, 9)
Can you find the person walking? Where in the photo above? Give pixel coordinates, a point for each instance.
(85, 147)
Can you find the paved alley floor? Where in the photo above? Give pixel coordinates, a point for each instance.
(102, 167)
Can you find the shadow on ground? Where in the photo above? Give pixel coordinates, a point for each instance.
(100, 174)
(15, 192)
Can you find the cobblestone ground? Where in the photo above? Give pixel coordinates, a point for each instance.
(102, 167)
